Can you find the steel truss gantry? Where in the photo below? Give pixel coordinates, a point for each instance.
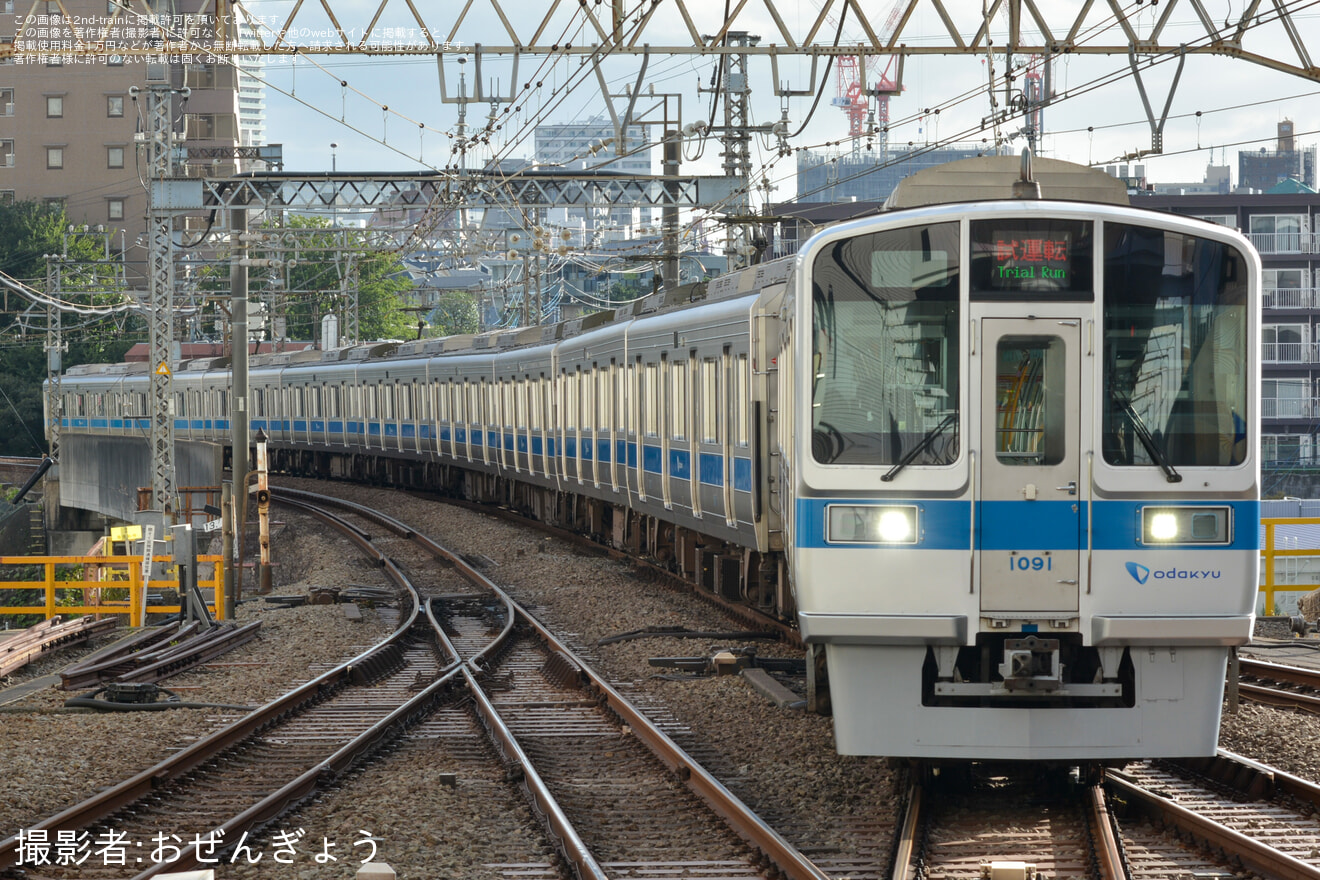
(638, 27)
(264, 191)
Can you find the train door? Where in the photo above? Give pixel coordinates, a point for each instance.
(1029, 515)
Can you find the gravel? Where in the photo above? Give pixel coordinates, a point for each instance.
(780, 761)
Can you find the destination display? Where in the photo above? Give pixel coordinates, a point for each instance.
(1036, 258)
(1020, 256)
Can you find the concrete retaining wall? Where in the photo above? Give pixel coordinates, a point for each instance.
(103, 474)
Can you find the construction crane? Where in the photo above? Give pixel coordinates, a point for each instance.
(858, 77)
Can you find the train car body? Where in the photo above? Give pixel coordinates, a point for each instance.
(1025, 516)
(998, 459)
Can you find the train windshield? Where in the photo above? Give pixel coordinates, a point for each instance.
(1175, 350)
(885, 332)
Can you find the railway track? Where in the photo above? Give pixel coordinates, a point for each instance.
(620, 802)
(235, 780)
(1258, 816)
(614, 791)
(1279, 684)
(596, 749)
(1206, 817)
(22, 648)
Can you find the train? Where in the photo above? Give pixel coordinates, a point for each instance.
(994, 449)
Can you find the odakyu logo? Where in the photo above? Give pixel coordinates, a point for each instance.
(1141, 573)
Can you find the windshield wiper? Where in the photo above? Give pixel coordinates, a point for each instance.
(1148, 441)
(950, 419)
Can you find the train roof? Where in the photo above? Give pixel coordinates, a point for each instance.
(984, 178)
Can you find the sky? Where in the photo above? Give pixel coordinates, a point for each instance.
(1221, 104)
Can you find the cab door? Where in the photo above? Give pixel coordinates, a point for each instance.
(1029, 504)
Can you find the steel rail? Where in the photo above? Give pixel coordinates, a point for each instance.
(1254, 854)
(1252, 777)
(546, 805)
(148, 643)
(908, 828)
(559, 826)
(1280, 672)
(1108, 853)
(18, 651)
(739, 817)
(207, 646)
(362, 667)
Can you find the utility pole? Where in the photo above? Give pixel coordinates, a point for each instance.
(238, 417)
(160, 286)
(669, 213)
(54, 352)
(736, 139)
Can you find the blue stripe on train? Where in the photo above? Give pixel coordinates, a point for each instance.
(1028, 525)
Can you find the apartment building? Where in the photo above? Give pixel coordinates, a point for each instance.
(1285, 229)
(70, 125)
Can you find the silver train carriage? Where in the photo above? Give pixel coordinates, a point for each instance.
(999, 459)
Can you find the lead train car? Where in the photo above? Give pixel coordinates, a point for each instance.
(1025, 518)
(999, 459)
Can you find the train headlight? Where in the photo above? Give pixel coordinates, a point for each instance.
(1163, 527)
(871, 524)
(1186, 525)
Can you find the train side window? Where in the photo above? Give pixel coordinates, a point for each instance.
(537, 403)
(570, 397)
(650, 400)
(222, 404)
(710, 404)
(742, 385)
(586, 385)
(605, 394)
(678, 399)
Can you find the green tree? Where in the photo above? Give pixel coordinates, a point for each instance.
(333, 261)
(457, 313)
(28, 232)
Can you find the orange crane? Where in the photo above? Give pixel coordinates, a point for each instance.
(856, 84)
(854, 98)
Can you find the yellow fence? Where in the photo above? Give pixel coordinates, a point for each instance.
(100, 574)
(1270, 554)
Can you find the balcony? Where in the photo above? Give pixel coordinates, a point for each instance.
(1302, 298)
(1289, 407)
(1283, 242)
(1289, 353)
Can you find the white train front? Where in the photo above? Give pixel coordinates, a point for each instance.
(998, 459)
